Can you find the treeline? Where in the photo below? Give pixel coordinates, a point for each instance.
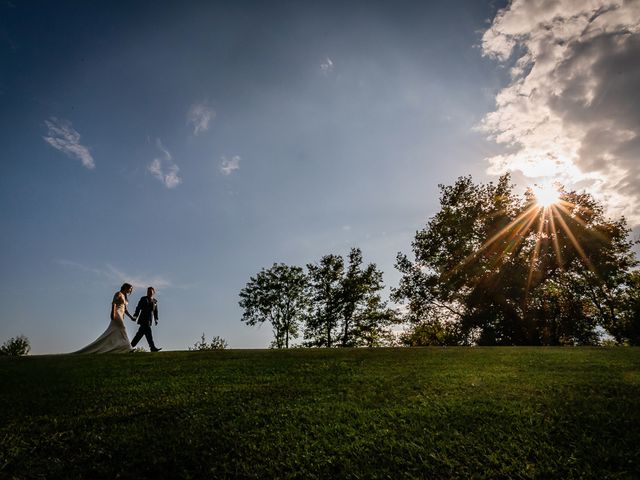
(490, 268)
(335, 302)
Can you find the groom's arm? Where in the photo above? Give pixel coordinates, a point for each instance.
(155, 311)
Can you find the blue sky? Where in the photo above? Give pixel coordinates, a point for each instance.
(189, 146)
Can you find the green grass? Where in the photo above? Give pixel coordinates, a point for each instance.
(382, 413)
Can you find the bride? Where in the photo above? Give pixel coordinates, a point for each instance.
(114, 339)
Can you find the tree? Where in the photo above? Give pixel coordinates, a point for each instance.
(347, 309)
(16, 346)
(216, 343)
(627, 329)
(372, 324)
(325, 282)
(277, 295)
(496, 269)
(364, 314)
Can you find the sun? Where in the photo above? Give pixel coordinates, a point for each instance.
(546, 195)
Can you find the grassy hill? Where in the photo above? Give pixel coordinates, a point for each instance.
(381, 413)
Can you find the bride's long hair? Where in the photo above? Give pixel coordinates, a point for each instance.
(125, 288)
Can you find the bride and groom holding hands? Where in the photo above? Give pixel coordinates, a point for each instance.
(115, 338)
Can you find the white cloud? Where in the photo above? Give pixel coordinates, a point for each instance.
(118, 276)
(199, 116)
(164, 168)
(572, 109)
(230, 165)
(326, 66)
(62, 136)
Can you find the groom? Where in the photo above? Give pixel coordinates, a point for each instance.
(148, 310)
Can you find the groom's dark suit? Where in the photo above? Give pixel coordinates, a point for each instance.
(146, 312)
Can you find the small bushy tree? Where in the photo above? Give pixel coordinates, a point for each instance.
(16, 346)
(216, 343)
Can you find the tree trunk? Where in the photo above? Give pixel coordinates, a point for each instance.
(345, 335)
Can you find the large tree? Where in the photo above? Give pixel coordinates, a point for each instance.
(495, 268)
(277, 295)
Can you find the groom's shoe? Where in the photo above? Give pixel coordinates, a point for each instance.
(156, 349)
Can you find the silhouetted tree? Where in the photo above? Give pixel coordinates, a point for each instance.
(277, 295)
(16, 346)
(372, 324)
(627, 328)
(325, 309)
(364, 315)
(496, 269)
(346, 307)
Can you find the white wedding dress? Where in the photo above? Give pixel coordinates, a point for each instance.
(115, 338)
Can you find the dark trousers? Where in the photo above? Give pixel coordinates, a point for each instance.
(146, 331)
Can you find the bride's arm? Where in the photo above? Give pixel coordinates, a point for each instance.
(126, 312)
(113, 311)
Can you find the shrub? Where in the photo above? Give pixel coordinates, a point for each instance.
(16, 346)
(217, 343)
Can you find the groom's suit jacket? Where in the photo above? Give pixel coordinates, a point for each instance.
(148, 310)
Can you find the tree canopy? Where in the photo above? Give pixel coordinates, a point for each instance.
(495, 268)
(346, 307)
(16, 346)
(277, 295)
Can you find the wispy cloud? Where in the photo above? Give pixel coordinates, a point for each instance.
(230, 165)
(78, 266)
(164, 168)
(571, 111)
(199, 116)
(118, 276)
(139, 280)
(326, 66)
(63, 137)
